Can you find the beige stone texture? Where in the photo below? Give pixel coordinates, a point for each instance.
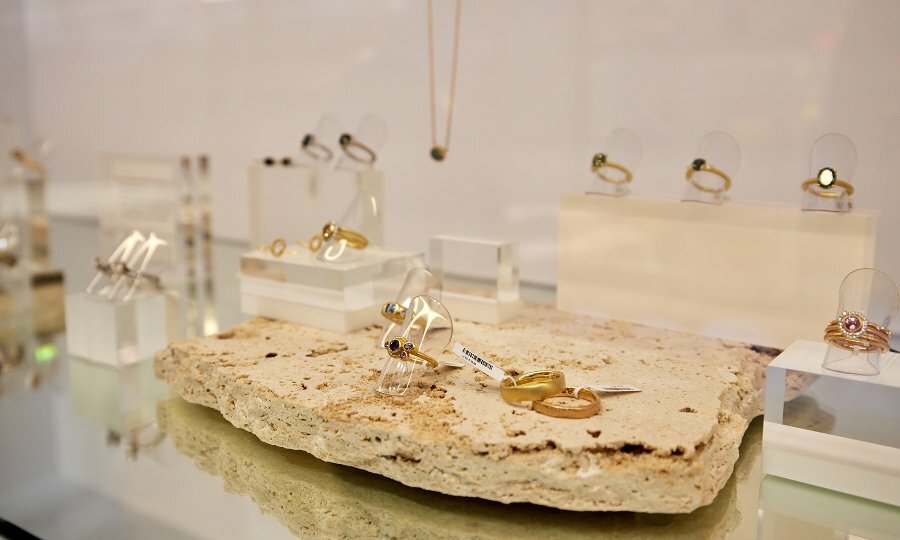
(668, 449)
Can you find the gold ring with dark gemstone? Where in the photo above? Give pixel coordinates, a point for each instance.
(356, 150)
(601, 161)
(315, 149)
(699, 165)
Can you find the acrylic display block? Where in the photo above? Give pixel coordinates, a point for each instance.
(833, 430)
(480, 277)
(120, 333)
(749, 272)
(337, 296)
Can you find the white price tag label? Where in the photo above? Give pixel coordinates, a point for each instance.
(613, 388)
(479, 363)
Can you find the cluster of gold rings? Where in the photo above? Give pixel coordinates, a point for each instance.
(826, 180)
(600, 162)
(852, 331)
(538, 386)
(353, 239)
(699, 165)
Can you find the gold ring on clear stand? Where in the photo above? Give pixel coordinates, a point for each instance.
(393, 312)
(600, 161)
(356, 150)
(532, 386)
(314, 149)
(700, 164)
(407, 350)
(826, 180)
(851, 330)
(331, 229)
(561, 411)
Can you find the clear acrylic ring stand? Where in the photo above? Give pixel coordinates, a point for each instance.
(719, 150)
(361, 216)
(835, 151)
(372, 132)
(623, 147)
(429, 327)
(322, 151)
(418, 282)
(874, 294)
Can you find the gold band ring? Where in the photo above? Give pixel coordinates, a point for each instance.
(600, 161)
(700, 164)
(532, 386)
(356, 150)
(827, 179)
(560, 411)
(393, 312)
(407, 350)
(852, 331)
(332, 230)
(27, 161)
(314, 149)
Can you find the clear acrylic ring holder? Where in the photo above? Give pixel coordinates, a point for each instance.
(361, 216)
(319, 147)
(873, 294)
(372, 133)
(429, 327)
(622, 147)
(838, 153)
(418, 282)
(720, 151)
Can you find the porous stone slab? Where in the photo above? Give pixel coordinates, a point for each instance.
(667, 449)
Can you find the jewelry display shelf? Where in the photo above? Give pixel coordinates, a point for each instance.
(668, 449)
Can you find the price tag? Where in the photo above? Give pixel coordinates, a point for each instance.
(480, 363)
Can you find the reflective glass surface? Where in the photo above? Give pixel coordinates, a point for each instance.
(95, 451)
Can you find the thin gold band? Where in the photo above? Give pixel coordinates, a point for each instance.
(352, 147)
(561, 411)
(532, 386)
(846, 188)
(689, 176)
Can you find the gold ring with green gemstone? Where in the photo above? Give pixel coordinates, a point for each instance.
(699, 165)
(826, 180)
(600, 162)
(356, 150)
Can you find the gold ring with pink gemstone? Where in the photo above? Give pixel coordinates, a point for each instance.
(853, 331)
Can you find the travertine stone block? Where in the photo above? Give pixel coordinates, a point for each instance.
(667, 449)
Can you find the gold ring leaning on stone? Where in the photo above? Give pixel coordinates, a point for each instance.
(699, 165)
(826, 180)
(561, 411)
(331, 230)
(600, 161)
(532, 386)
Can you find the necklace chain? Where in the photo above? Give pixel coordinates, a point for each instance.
(438, 152)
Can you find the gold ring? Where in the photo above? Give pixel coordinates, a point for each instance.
(315, 149)
(332, 230)
(278, 246)
(407, 350)
(393, 312)
(27, 161)
(532, 386)
(852, 331)
(600, 161)
(560, 411)
(827, 179)
(700, 164)
(353, 147)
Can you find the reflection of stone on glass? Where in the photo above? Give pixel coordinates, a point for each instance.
(481, 268)
(306, 494)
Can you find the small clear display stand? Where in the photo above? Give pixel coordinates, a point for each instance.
(834, 430)
(837, 152)
(340, 296)
(621, 150)
(290, 200)
(721, 152)
(480, 277)
(870, 297)
(418, 282)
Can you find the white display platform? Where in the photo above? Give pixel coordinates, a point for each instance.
(336, 296)
(762, 274)
(119, 333)
(830, 429)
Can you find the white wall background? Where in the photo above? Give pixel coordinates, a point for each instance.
(540, 85)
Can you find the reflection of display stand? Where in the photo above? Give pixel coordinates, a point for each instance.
(121, 332)
(830, 429)
(338, 296)
(837, 152)
(721, 151)
(874, 295)
(623, 147)
(418, 282)
(480, 277)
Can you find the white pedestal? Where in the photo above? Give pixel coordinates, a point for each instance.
(341, 297)
(120, 333)
(762, 274)
(833, 430)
